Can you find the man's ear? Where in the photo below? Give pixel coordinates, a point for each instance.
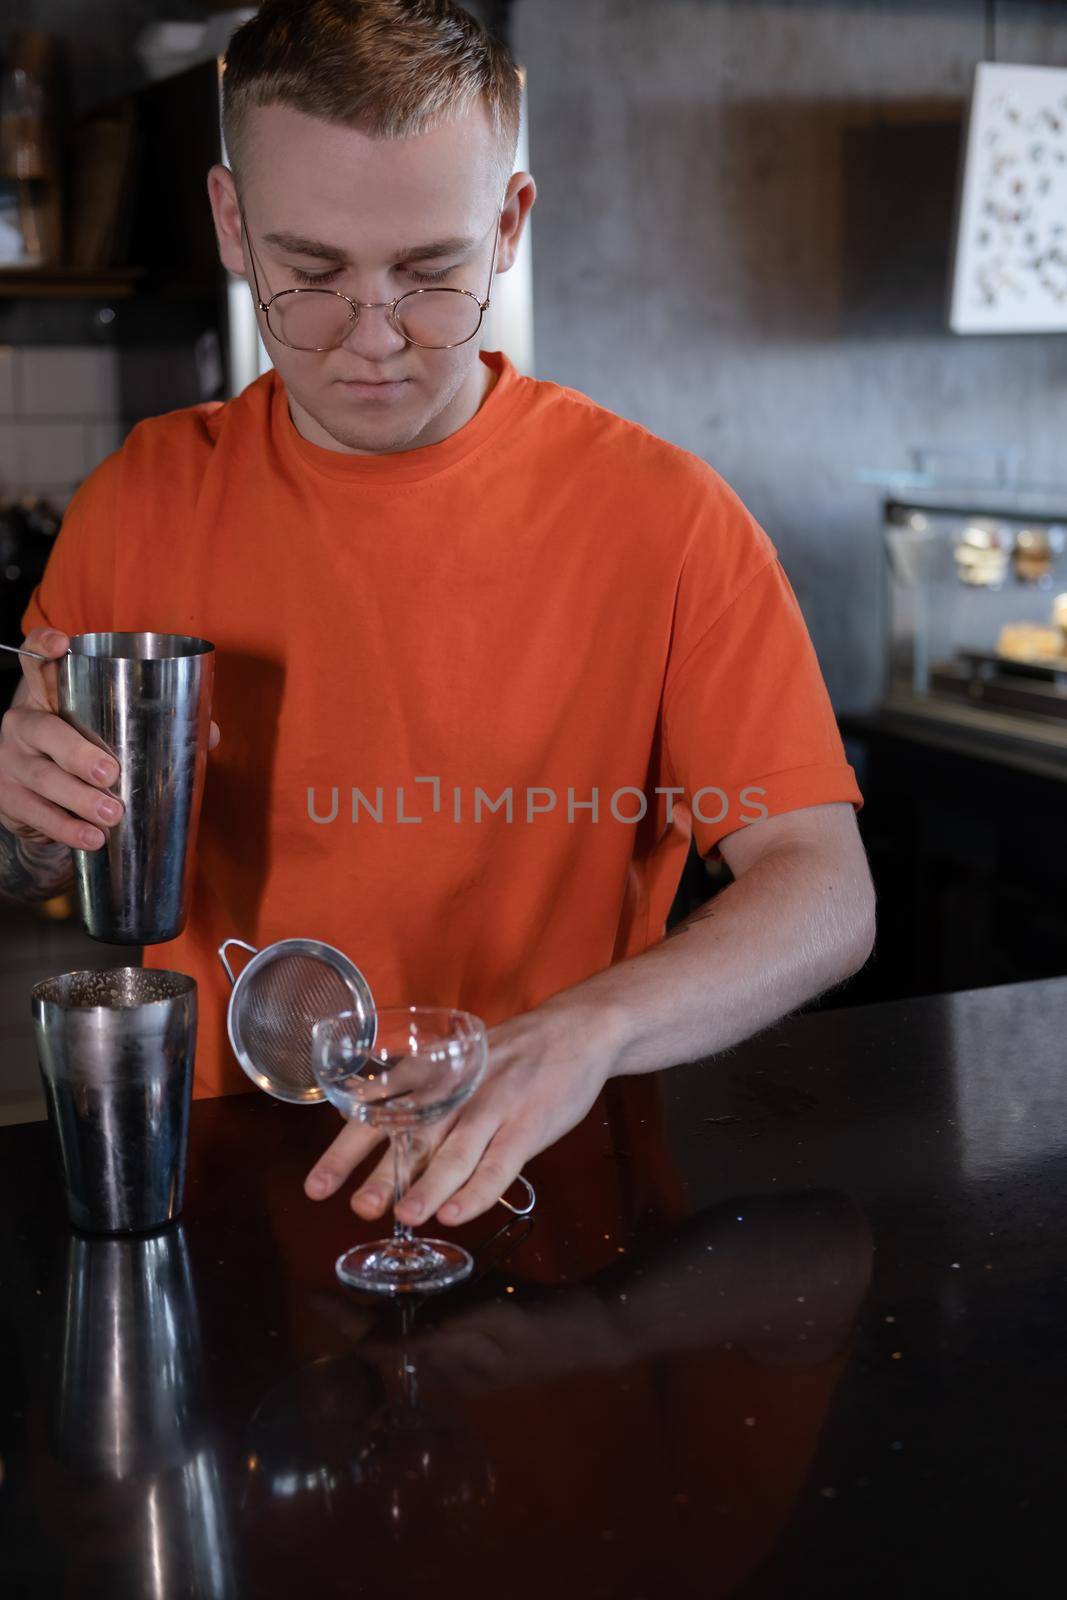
(222, 193)
(522, 192)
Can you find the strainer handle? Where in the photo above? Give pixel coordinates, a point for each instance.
(521, 1211)
(224, 946)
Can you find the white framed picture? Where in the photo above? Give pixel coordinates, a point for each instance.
(1009, 274)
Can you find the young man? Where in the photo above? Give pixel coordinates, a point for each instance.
(487, 653)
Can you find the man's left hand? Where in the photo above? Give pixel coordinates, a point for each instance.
(546, 1068)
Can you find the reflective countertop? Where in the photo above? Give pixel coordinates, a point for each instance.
(790, 1321)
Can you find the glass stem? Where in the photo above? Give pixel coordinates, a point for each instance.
(401, 1178)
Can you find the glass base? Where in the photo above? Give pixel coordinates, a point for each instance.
(404, 1266)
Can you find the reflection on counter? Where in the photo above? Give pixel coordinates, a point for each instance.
(1007, 1097)
(672, 1396)
(129, 1415)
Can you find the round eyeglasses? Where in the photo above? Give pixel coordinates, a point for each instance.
(322, 319)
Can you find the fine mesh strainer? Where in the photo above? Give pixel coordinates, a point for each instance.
(276, 1001)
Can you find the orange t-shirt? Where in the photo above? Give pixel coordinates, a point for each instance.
(552, 604)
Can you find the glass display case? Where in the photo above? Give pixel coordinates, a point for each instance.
(976, 609)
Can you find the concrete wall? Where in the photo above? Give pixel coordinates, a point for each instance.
(741, 240)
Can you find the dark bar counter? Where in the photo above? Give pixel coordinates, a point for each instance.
(788, 1322)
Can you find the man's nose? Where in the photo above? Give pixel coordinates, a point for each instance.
(374, 334)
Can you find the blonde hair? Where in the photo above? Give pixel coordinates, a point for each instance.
(388, 67)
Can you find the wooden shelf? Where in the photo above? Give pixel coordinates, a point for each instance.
(29, 283)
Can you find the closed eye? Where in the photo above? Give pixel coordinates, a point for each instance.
(314, 278)
(430, 277)
(319, 280)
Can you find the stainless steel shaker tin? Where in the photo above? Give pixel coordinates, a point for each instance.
(116, 1050)
(146, 699)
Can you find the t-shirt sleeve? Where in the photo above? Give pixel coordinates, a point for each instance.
(77, 592)
(748, 727)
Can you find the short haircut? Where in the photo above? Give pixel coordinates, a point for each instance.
(387, 67)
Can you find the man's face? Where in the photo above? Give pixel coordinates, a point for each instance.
(375, 205)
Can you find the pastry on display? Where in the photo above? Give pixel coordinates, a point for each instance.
(1032, 641)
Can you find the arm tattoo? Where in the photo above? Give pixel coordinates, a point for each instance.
(702, 912)
(32, 870)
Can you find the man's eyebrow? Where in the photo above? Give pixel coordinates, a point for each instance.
(298, 245)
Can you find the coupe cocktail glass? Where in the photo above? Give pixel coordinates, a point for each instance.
(425, 1061)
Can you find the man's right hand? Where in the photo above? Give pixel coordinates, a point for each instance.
(53, 782)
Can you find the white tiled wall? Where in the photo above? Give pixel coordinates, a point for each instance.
(59, 417)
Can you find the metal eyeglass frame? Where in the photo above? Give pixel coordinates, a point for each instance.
(356, 306)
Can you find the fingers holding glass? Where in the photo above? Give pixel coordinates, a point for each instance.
(493, 1177)
(450, 1169)
(424, 1063)
(377, 1190)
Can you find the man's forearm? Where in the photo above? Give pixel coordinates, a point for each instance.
(32, 871)
(790, 928)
